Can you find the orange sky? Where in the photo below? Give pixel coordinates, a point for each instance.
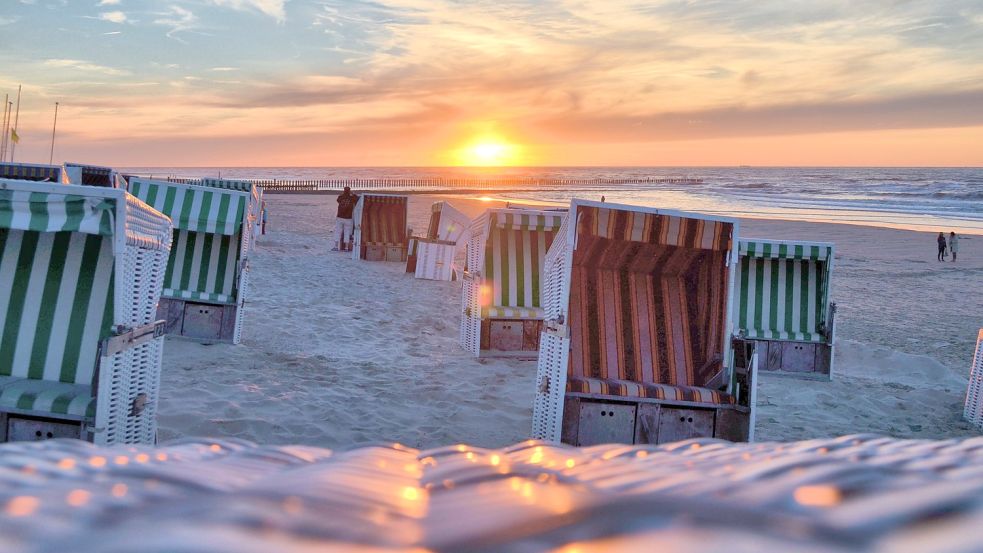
(416, 82)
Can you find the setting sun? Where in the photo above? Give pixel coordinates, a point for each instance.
(488, 153)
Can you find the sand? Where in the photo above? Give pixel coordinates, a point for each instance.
(339, 353)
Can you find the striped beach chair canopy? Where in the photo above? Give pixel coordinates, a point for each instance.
(783, 289)
(207, 234)
(228, 184)
(516, 242)
(58, 287)
(383, 219)
(30, 171)
(648, 303)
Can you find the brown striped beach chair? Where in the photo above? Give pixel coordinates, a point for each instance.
(502, 294)
(636, 345)
(380, 227)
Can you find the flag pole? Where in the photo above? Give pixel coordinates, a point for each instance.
(13, 144)
(51, 157)
(3, 141)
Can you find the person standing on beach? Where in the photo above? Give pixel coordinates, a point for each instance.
(941, 241)
(343, 222)
(953, 245)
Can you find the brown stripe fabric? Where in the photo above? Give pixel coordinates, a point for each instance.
(648, 390)
(648, 298)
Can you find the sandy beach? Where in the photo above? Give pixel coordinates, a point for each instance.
(339, 353)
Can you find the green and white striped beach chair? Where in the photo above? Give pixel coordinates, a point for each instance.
(208, 271)
(30, 171)
(255, 200)
(81, 270)
(501, 299)
(783, 303)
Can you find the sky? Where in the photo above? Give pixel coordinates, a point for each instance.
(551, 82)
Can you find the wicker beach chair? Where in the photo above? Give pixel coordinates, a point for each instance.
(207, 278)
(783, 304)
(81, 269)
(30, 172)
(91, 175)
(380, 227)
(636, 347)
(501, 298)
(432, 256)
(973, 411)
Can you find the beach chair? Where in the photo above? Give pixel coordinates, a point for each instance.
(256, 203)
(783, 304)
(206, 283)
(636, 345)
(501, 300)
(432, 256)
(380, 227)
(91, 175)
(973, 410)
(81, 269)
(30, 172)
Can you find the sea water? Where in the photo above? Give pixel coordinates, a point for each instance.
(926, 199)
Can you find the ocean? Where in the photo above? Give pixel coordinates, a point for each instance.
(924, 199)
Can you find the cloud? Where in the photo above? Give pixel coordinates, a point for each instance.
(82, 65)
(7, 20)
(114, 17)
(178, 19)
(273, 8)
(109, 2)
(225, 69)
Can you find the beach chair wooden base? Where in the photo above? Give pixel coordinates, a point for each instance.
(510, 337)
(594, 420)
(199, 321)
(24, 428)
(383, 253)
(798, 359)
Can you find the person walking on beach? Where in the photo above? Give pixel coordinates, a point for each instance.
(941, 241)
(953, 245)
(343, 223)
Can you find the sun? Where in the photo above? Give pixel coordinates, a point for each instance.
(488, 152)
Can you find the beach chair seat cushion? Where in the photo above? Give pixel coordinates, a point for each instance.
(41, 397)
(506, 312)
(648, 390)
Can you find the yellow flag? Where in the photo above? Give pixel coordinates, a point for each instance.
(14, 137)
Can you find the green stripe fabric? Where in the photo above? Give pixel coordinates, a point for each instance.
(202, 266)
(43, 212)
(45, 398)
(194, 208)
(783, 290)
(56, 303)
(520, 219)
(514, 258)
(228, 184)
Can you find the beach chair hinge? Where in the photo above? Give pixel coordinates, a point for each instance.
(126, 338)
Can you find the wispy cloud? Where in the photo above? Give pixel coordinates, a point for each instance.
(225, 69)
(273, 8)
(178, 20)
(81, 65)
(109, 2)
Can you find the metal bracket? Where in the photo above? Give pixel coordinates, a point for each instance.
(557, 327)
(127, 338)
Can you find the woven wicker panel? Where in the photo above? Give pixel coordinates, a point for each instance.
(845, 494)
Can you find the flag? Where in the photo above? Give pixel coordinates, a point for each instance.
(14, 137)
